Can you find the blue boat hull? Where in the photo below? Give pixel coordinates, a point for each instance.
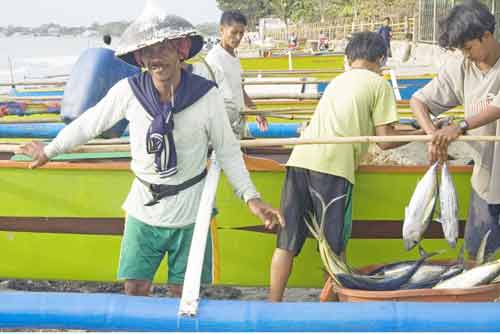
(111, 312)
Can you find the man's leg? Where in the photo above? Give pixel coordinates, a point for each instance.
(178, 255)
(137, 287)
(281, 267)
(295, 203)
(338, 219)
(140, 255)
(482, 218)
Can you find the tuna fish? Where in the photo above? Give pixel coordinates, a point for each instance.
(480, 275)
(381, 283)
(426, 278)
(419, 211)
(449, 207)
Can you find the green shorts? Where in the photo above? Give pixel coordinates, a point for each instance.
(144, 246)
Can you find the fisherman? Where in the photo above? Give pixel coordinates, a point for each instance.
(173, 116)
(233, 25)
(385, 31)
(359, 102)
(471, 79)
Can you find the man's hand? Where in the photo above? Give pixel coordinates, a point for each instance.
(438, 147)
(266, 213)
(36, 152)
(437, 153)
(262, 123)
(443, 137)
(4, 111)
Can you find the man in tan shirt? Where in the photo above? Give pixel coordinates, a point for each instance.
(472, 80)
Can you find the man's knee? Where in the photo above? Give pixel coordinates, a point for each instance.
(281, 256)
(137, 287)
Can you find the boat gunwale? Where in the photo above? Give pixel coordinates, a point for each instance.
(253, 163)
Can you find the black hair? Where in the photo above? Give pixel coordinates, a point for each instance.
(366, 45)
(387, 18)
(106, 39)
(232, 16)
(464, 23)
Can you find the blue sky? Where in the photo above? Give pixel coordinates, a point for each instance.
(84, 12)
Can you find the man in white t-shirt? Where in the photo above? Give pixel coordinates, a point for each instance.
(232, 28)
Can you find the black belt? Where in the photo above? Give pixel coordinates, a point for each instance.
(160, 191)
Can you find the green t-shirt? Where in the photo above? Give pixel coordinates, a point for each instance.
(352, 105)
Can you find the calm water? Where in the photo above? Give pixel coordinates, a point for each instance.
(41, 56)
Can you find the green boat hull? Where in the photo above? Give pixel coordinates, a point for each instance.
(64, 222)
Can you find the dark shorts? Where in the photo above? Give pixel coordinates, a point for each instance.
(482, 217)
(297, 201)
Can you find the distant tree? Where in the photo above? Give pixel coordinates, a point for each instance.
(252, 9)
(208, 29)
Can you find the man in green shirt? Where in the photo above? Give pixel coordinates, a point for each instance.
(359, 102)
(472, 80)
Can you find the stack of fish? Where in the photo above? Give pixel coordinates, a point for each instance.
(416, 274)
(419, 213)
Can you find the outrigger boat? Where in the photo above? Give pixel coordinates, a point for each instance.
(64, 221)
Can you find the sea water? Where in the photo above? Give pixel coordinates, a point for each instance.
(37, 58)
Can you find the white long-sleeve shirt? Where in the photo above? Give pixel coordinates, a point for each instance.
(195, 126)
(232, 89)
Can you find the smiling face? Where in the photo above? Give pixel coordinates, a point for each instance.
(161, 60)
(232, 34)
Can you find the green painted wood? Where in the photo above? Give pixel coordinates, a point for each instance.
(79, 156)
(245, 255)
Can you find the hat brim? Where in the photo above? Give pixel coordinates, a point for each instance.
(196, 46)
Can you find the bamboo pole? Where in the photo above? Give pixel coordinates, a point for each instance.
(34, 83)
(285, 82)
(275, 112)
(274, 72)
(30, 99)
(302, 112)
(295, 96)
(27, 120)
(355, 140)
(280, 110)
(14, 147)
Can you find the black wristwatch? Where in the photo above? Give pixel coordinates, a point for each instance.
(463, 126)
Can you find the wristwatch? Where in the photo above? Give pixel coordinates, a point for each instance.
(463, 126)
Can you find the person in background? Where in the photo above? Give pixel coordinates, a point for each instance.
(106, 39)
(408, 48)
(323, 41)
(232, 29)
(385, 31)
(359, 102)
(292, 41)
(471, 79)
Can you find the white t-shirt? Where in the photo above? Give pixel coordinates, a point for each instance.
(231, 86)
(195, 126)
